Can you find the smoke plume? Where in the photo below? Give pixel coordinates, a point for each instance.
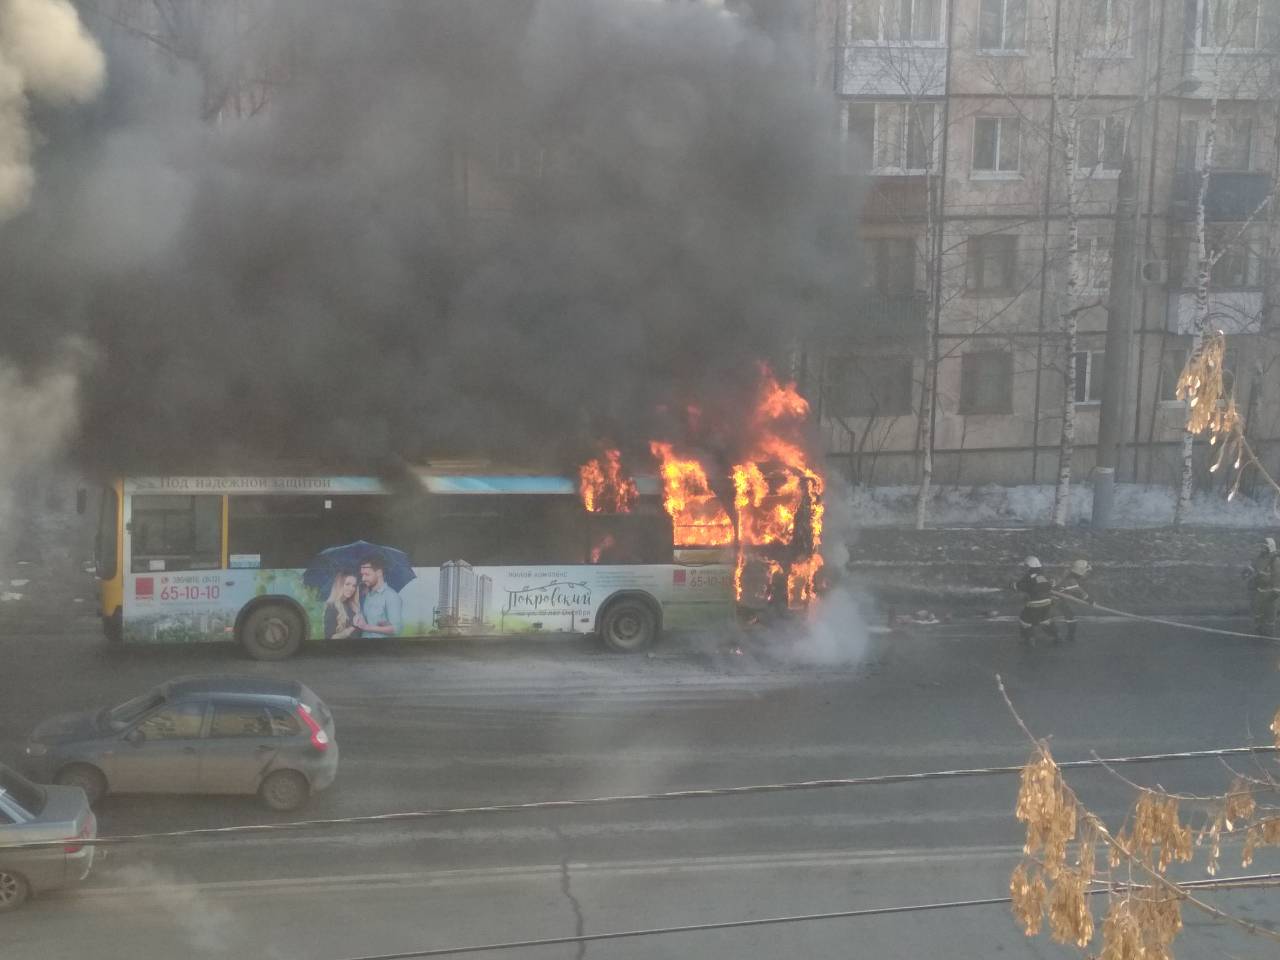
(430, 228)
(44, 53)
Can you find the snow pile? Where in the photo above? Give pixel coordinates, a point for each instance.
(1135, 506)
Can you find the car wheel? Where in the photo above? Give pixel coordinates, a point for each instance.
(87, 778)
(629, 625)
(285, 790)
(14, 890)
(272, 632)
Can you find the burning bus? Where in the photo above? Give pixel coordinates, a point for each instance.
(462, 550)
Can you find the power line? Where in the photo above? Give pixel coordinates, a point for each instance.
(1262, 879)
(697, 794)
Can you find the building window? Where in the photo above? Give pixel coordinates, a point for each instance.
(1101, 146)
(1002, 25)
(1108, 27)
(986, 382)
(869, 386)
(1097, 262)
(873, 21)
(1171, 364)
(1229, 24)
(1238, 264)
(991, 263)
(1232, 144)
(997, 144)
(900, 135)
(1089, 365)
(892, 266)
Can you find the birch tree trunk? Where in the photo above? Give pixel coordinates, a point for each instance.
(929, 390)
(1201, 313)
(1067, 308)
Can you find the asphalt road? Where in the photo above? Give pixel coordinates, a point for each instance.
(456, 724)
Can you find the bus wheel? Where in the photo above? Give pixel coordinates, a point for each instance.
(628, 625)
(272, 632)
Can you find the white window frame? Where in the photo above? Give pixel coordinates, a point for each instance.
(1202, 13)
(1098, 171)
(883, 17)
(1122, 50)
(976, 173)
(1250, 245)
(1093, 260)
(904, 108)
(1092, 359)
(1002, 51)
(1202, 136)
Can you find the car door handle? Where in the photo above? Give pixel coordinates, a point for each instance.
(264, 748)
(188, 749)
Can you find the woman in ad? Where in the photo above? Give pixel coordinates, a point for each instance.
(342, 609)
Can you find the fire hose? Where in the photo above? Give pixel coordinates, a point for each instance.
(1166, 623)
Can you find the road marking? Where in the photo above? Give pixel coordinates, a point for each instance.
(552, 871)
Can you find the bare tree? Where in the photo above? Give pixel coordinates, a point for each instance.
(235, 46)
(1208, 255)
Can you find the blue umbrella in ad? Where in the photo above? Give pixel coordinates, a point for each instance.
(329, 563)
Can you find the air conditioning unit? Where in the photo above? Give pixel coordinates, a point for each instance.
(1155, 271)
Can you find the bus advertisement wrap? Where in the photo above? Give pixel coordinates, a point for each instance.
(364, 591)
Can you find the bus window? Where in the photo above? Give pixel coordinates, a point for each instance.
(106, 542)
(176, 533)
(643, 536)
(452, 528)
(542, 530)
(281, 532)
(274, 532)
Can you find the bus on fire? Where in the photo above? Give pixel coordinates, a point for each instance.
(272, 562)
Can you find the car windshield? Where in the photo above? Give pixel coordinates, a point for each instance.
(131, 710)
(29, 796)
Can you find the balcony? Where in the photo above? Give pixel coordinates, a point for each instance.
(1231, 311)
(898, 69)
(896, 198)
(881, 317)
(1232, 194)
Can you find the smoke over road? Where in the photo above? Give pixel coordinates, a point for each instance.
(455, 227)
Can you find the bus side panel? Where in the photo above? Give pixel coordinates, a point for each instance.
(452, 600)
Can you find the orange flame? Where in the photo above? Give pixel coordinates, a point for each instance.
(603, 487)
(606, 544)
(777, 499)
(698, 517)
(778, 496)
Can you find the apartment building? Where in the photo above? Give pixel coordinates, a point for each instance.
(956, 115)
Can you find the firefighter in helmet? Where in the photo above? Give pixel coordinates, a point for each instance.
(1265, 579)
(1037, 609)
(1072, 586)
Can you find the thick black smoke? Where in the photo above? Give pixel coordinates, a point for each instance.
(343, 279)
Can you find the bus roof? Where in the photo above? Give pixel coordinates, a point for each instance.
(433, 480)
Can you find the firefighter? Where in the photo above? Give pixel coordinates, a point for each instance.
(1037, 611)
(1073, 586)
(1265, 578)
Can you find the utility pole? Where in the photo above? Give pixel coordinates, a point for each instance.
(1115, 383)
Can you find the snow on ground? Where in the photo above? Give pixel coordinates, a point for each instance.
(1135, 506)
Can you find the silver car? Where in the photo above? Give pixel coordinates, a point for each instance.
(59, 816)
(210, 735)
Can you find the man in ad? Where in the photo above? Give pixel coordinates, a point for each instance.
(380, 607)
